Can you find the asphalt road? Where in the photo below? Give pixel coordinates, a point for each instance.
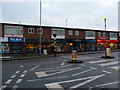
(56, 73)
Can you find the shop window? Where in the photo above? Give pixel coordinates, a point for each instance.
(39, 32)
(70, 32)
(104, 34)
(99, 33)
(77, 33)
(15, 30)
(113, 36)
(90, 35)
(31, 30)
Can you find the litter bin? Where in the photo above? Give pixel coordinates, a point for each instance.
(45, 52)
(74, 55)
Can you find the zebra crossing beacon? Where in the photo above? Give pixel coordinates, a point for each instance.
(74, 57)
(107, 50)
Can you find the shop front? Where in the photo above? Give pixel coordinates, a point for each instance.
(90, 45)
(13, 45)
(60, 45)
(112, 44)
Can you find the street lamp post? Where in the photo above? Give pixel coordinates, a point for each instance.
(40, 30)
(105, 35)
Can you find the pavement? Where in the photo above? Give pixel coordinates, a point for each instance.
(35, 56)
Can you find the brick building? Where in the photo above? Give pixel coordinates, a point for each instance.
(19, 38)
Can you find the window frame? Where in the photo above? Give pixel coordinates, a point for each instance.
(30, 31)
(39, 32)
(70, 32)
(76, 33)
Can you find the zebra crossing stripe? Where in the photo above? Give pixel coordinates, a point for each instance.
(93, 62)
(40, 74)
(110, 63)
(54, 86)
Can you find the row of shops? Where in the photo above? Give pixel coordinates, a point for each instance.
(22, 45)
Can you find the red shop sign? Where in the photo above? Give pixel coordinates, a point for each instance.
(102, 37)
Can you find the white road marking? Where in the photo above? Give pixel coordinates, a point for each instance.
(17, 72)
(18, 81)
(107, 84)
(82, 65)
(40, 74)
(106, 72)
(110, 63)
(93, 68)
(54, 86)
(43, 74)
(3, 87)
(87, 81)
(25, 71)
(68, 81)
(116, 67)
(90, 58)
(8, 81)
(64, 66)
(21, 66)
(14, 87)
(23, 75)
(93, 62)
(13, 76)
(82, 72)
(62, 63)
(47, 78)
(34, 67)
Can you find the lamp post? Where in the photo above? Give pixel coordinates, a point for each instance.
(105, 35)
(40, 30)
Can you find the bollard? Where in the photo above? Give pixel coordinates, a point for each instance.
(74, 58)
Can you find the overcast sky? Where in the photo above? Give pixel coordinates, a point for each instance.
(80, 13)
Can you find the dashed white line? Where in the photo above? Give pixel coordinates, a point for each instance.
(18, 81)
(3, 87)
(25, 71)
(14, 87)
(82, 65)
(23, 75)
(13, 76)
(116, 67)
(8, 81)
(40, 74)
(17, 72)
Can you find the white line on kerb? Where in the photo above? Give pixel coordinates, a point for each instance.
(18, 81)
(13, 76)
(17, 72)
(8, 81)
(22, 75)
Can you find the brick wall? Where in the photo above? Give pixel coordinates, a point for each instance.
(80, 36)
(46, 33)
